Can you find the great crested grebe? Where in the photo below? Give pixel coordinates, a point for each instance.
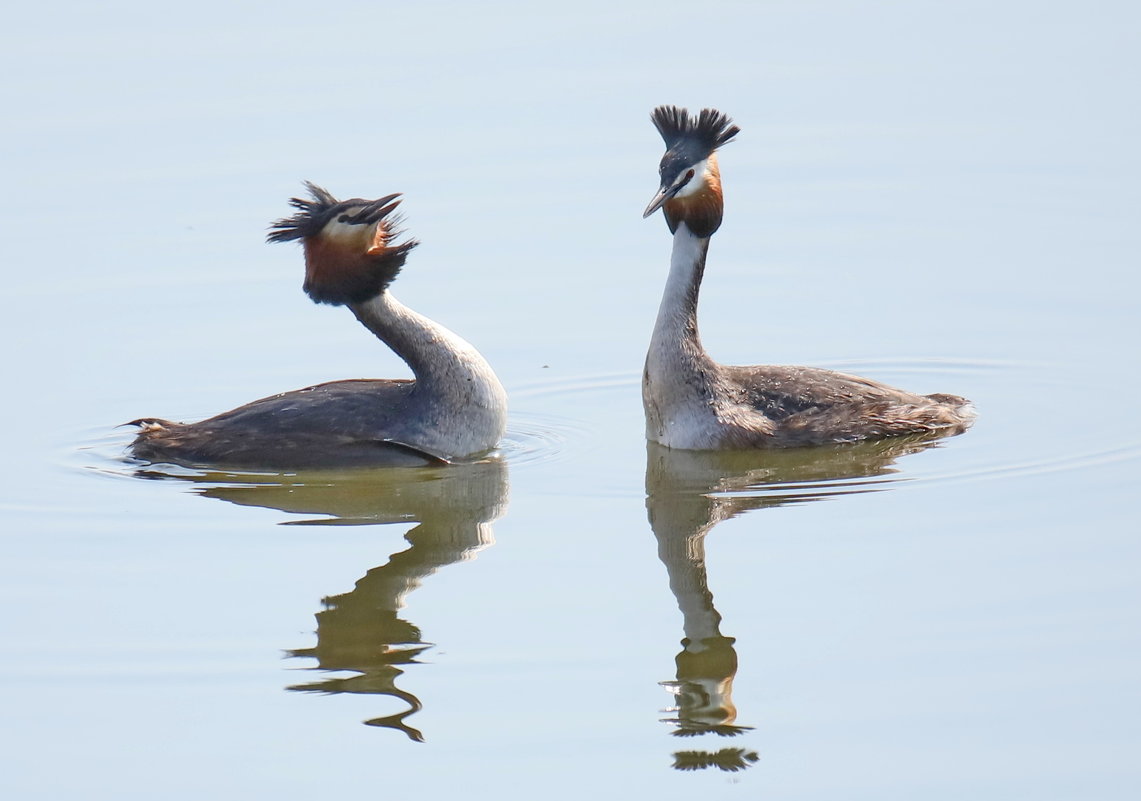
(694, 403)
(454, 409)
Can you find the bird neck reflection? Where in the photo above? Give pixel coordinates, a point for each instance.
(687, 494)
(361, 631)
(707, 663)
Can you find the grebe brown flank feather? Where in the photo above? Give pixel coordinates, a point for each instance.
(694, 403)
(454, 409)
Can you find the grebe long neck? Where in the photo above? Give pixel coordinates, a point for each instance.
(677, 382)
(436, 355)
(693, 213)
(453, 381)
(676, 341)
(680, 379)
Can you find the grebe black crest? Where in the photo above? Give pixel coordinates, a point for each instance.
(453, 410)
(349, 251)
(688, 139)
(694, 403)
(690, 181)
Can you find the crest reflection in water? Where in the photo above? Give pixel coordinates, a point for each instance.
(690, 492)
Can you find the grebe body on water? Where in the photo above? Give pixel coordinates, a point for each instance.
(694, 403)
(454, 409)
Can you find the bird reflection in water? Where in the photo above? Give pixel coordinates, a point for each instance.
(361, 631)
(690, 492)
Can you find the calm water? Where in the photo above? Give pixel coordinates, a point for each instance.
(942, 196)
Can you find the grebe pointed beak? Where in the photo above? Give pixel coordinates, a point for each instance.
(375, 210)
(659, 200)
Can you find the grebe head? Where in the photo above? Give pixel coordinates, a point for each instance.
(350, 256)
(690, 191)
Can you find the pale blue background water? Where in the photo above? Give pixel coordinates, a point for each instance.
(943, 196)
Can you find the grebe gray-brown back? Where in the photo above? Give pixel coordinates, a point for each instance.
(694, 403)
(454, 409)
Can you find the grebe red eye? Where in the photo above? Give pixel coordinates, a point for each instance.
(688, 176)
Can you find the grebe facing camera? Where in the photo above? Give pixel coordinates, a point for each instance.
(454, 409)
(694, 403)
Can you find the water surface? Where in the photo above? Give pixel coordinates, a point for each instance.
(939, 196)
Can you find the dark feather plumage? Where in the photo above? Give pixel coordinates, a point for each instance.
(332, 424)
(311, 217)
(693, 137)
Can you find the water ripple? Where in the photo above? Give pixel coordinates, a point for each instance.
(534, 438)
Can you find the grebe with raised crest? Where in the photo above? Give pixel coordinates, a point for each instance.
(694, 403)
(454, 409)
